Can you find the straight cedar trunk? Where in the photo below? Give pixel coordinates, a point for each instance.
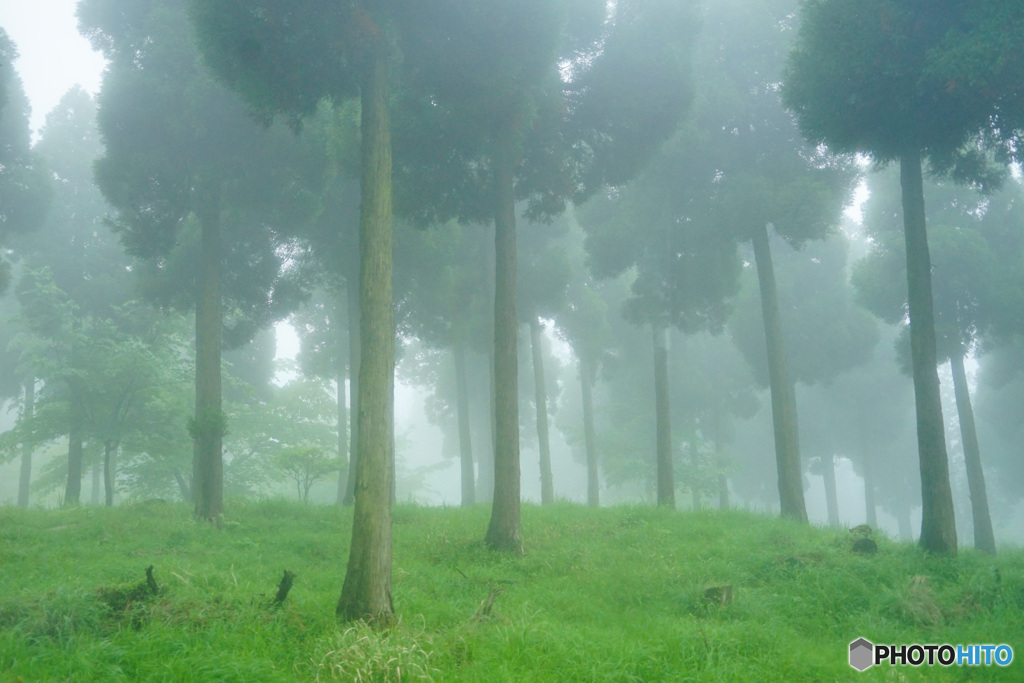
(828, 471)
(340, 376)
(485, 461)
(108, 473)
(468, 479)
(870, 507)
(73, 490)
(366, 593)
(663, 426)
(587, 374)
(938, 526)
(547, 486)
(984, 539)
(208, 428)
(787, 441)
(504, 531)
(26, 448)
(354, 334)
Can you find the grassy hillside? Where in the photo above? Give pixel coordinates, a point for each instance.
(615, 594)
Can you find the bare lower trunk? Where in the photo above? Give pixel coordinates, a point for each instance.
(340, 377)
(73, 490)
(938, 525)
(352, 292)
(587, 373)
(26, 448)
(504, 531)
(663, 425)
(787, 442)
(465, 440)
(828, 470)
(547, 486)
(209, 424)
(984, 539)
(108, 473)
(366, 593)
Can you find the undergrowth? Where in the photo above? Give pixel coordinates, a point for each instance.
(614, 594)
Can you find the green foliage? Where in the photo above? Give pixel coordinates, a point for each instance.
(306, 465)
(608, 594)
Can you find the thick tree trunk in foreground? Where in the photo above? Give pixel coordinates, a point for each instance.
(547, 486)
(938, 526)
(208, 428)
(504, 531)
(587, 373)
(984, 539)
(663, 425)
(467, 472)
(354, 335)
(787, 441)
(73, 490)
(26, 448)
(340, 377)
(366, 593)
(109, 470)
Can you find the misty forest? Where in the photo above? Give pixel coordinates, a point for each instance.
(550, 340)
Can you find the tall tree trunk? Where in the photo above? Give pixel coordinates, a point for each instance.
(485, 469)
(465, 440)
(26, 448)
(723, 482)
(366, 593)
(587, 373)
(208, 427)
(984, 539)
(870, 507)
(73, 490)
(787, 440)
(340, 377)
(663, 425)
(828, 470)
(108, 473)
(504, 531)
(547, 486)
(354, 335)
(938, 525)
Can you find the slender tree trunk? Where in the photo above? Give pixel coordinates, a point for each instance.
(870, 507)
(587, 373)
(183, 487)
(903, 521)
(504, 532)
(26, 448)
(485, 469)
(340, 376)
(108, 473)
(663, 424)
(354, 335)
(984, 539)
(208, 429)
(828, 470)
(723, 482)
(547, 486)
(366, 593)
(465, 440)
(787, 441)
(73, 491)
(938, 525)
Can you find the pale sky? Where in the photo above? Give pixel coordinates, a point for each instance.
(53, 56)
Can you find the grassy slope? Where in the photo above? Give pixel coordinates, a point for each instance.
(610, 594)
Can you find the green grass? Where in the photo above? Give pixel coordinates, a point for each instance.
(615, 594)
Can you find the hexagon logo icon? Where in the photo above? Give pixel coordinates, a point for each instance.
(861, 654)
